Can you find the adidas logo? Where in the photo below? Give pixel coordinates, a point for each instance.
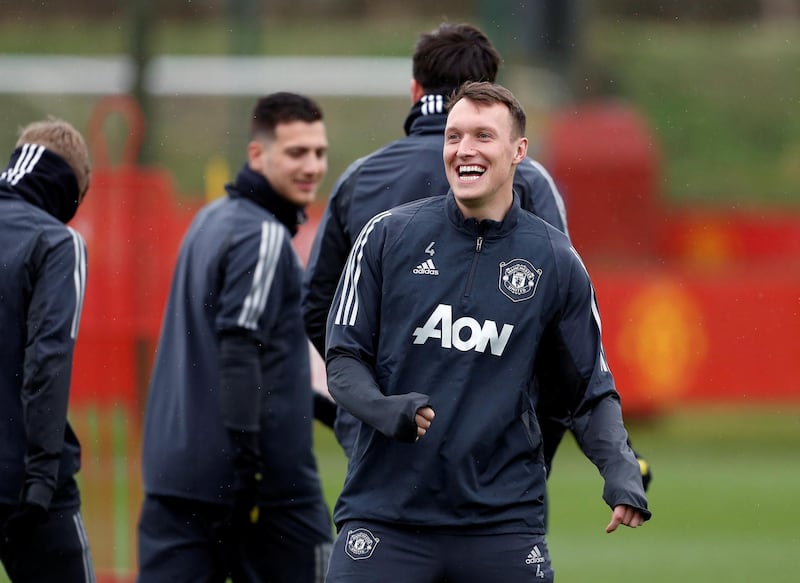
(426, 268)
(534, 557)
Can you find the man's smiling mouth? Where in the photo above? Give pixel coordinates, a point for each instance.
(471, 172)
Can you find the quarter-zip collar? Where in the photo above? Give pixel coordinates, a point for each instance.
(254, 186)
(487, 228)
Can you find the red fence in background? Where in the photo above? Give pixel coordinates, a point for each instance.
(698, 304)
(676, 336)
(755, 237)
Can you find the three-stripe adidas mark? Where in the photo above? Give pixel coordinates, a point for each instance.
(25, 164)
(535, 556)
(426, 268)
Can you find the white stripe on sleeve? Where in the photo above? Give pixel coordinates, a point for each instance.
(559, 200)
(348, 300)
(596, 313)
(268, 253)
(78, 278)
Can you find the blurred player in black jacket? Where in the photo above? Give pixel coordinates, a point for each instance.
(42, 283)
(230, 478)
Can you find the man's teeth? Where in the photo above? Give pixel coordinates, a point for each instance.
(471, 170)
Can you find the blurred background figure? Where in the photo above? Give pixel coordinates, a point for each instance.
(42, 285)
(230, 479)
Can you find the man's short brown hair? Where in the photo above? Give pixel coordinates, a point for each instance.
(490, 94)
(281, 107)
(61, 138)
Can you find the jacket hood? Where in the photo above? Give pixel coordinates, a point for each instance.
(44, 179)
(428, 115)
(253, 186)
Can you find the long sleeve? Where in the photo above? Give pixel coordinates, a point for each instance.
(575, 363)
(240, 383)
(248, 303)
(352, 331)
(326, 262)
(353, 386)
(52, 328)
(602, 437)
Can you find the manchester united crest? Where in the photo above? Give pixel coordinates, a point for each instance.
(360, 544)
(518, 279)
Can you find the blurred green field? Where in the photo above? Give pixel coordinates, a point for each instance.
(724, 498)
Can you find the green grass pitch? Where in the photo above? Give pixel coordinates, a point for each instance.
(724, 498)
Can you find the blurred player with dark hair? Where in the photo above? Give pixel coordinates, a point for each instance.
(42, 284)
(230, 478)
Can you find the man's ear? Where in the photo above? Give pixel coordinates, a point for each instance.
(417, 91)
(522, 150)
(254, 151)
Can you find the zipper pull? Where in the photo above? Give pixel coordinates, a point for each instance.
(479, 245)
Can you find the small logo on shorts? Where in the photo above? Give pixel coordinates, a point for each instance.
(361, 544)
(535, 556)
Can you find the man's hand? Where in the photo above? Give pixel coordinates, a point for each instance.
(423, 419)
(624, 514)
(23, 521)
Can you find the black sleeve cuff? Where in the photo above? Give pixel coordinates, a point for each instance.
(38, 494)
(324, 410)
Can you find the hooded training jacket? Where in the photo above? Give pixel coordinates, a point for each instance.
(434, 309)
(42, 284)
(237, 273)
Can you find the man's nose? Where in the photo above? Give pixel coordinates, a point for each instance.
(314, 164)
(466, 147)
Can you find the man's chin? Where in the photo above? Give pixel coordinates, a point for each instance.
(469, 198)
(303, 199)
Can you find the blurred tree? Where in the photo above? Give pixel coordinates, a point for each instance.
(683, 10)
(555, 30)
(142, 16)
(546, 33)
(246, 23)
(779, 10)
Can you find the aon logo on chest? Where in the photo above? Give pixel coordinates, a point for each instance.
(464, 334)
